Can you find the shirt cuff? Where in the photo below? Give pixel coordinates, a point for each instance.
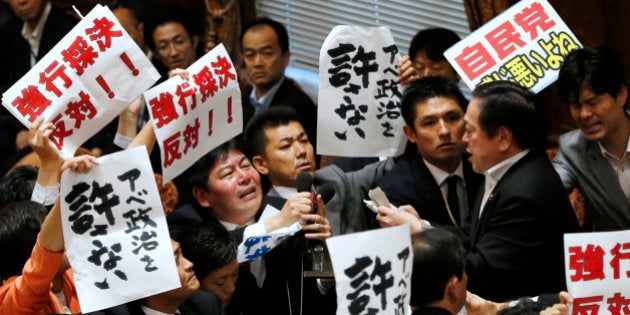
(122, 141)
(45, 195)
(256, 229)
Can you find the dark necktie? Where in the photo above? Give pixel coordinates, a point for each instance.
(452, 199)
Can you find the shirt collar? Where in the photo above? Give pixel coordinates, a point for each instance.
(440, 176)
(607, 154)
(264, 101)
(149, 311)
(231, 226)
(36, 34)
(285, 192)
(495, 173)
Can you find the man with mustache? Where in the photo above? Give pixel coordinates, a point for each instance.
(596, 157)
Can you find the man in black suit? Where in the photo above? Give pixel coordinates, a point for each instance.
(515, 234)
(39, 26)
(438, 278)
(434, 180)
(266, 55)
(226, 188)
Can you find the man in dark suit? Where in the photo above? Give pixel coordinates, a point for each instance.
(39, 26)
(266, 55)
(434, 180)
(438, 278)
(515, 235)
(226, 188)
(593, 158)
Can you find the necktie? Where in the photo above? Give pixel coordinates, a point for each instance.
(452, 199)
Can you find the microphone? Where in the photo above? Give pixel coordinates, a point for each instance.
(320, 263)
(304, 183)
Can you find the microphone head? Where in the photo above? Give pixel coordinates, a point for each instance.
(304, 182)
(327, 191)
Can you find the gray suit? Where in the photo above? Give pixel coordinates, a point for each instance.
(581, 165)
(346, 211)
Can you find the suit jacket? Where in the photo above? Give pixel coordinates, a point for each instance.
(18, 60)
(411, 182)
(285, 282)
(581, 165)
(290, 94)
(345, 210)
(515, 248)
(200, 303)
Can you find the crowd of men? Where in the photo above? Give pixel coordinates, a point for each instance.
(486, 207)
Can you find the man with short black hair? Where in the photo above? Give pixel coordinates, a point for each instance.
(426, 56)
(434, 179)
(438, 276)
(596, 158)
(266, 55)
(522, 211)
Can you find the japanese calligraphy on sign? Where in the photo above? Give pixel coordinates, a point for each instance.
(193, 117)
(359, 93)
(84, 82)
(371, 275)
(598, 272)
(525, 44)
(115, 232)
(257, 245)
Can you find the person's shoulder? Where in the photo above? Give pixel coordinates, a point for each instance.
(202, 302)
(572, 140)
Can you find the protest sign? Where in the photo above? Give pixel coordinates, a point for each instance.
(358, 111)
(190, 118)
(84, 82)
(372, 271)
(115, 231)
(598, 271)
(525, 44)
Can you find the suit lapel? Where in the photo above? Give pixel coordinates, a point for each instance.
(605, 175)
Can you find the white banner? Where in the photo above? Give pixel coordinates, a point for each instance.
(373, 271)
(598, 271)
(84, 82)
(358, 111)
(192, 118)
(115, 232)
(525, 44)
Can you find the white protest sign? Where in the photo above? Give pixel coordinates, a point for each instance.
(373, 271)
(525, 44)
(84, 82)
(192, 118)
(358, 112)
(115, 232)
(598, 271)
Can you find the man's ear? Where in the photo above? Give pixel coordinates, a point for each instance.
(195, 41)
(411, 135)
(202, 196)
(286, 56)
(260, 164)
(506, 138)
(622, 96)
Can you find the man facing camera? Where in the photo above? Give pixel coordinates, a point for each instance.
(435, 180)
